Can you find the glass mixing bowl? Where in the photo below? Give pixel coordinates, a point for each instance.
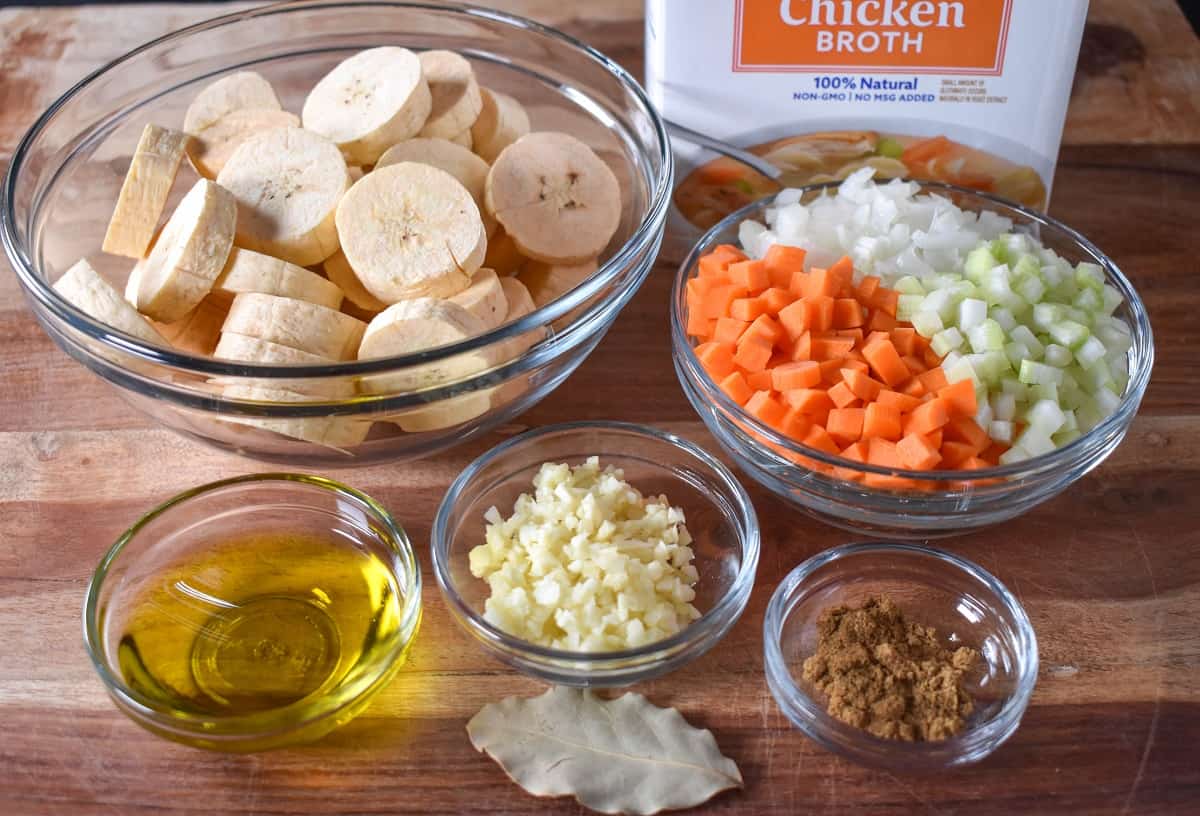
(64, 178)
(174, 601)
(719, 516)
(951, 502)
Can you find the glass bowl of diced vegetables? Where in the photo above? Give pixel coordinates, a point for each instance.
(342, 407)
(596, 553)
(908, 358)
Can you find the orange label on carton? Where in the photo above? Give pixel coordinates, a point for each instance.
(881, 36)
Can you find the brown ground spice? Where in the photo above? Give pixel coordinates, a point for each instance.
(888, 675)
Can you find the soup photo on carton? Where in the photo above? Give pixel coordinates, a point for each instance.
(970, 92)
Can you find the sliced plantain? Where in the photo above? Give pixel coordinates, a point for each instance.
(85, 289)
(520, 303)
(212, 147)
(369, 102)
(188, 255)
(417, 325)
(555, 197)
(243, 348)
(197, 332)
(333, 432)
(456, 98)
(501, 121)
(503, 255)
(447, 413)
(245, 90)
(339, 271)
(458, 161)
(287, 182)
(302, 325)
(463, 140)
(144, 192)
(549, 282)
(484, 298)
(410, 230)
(248, 271)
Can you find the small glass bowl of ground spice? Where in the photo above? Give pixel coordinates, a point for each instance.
(899, 656)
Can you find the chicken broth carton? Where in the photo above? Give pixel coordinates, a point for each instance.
(970, 92)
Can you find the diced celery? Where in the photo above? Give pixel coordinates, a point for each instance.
(908, 285)
(1107, 401)
(1033, 373)
(1046, 315)
(964, 289)
(1078, 315)
(1091, 351)
(1035, 441)
(1004, 317)
(946, 341)
(1070, 422)
(1052, 276)
(1017, 244)
(1013, 386)
(1025, 336)
(1058, 356)
(1110, 298)
(1031, 288)
(1004, 405)
(999, 251)
(1044, 391)
(1114, 334)
(1001, 431)
(1095, 377)
(983, 416)
(1089, 276)
(961, 370)
(1013, 455)
(940, 301)
(971, 313)
(1089, 301)
(907, 306)
(1046, 416)
(1017, 353)
(1027, 266)
(1088, 415)
(979, 262)
(928, 324)
(997, 289)
(1065, 437)
(987, 336)
(1069, 333)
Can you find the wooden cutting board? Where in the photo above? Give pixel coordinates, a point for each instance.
(1109, 572)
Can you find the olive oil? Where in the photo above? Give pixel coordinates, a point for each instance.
(265, 622)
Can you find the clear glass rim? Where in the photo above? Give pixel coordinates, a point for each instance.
(621, 263)
(812, 718)
(689, 365)
(237, 727)
(731, 603)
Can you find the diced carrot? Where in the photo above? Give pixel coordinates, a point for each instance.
(781, 262)
(882, 452)
(915, 365)
(822, 313)
(964, 429)
(843, 272)
(875, 337)
(931, 359)
(729, 329)
(699, 326)
(831, 348)
(856, 452)
(822, 283)
(857, 334)
(927, 417)
(737, 388)
(750, 274)
(903, 403)
(865, 388)
(914, 388)
(831, 371)
(796, 424)
(880, 321)
(842, 396)
(776, 299)
(885, 362)
(903, 338)
(934, 379)
(926, 149)
(716, 262)
(759, 380)
(697, 289)
(747, 308)
(846, 424)
(794, 376)
(856, 365)
(935, 438)
(960, 398)
(867, 287)
(718, 299)
(798, 283)
(797, 317)
(975, 463)
(810, 401)
(887, 301)
(765, 407)
(955, 453)
(881, 421)
(817, 437)
(848, 313)
(916, 453)
(802, 347)
(752, 354)
(765, 329)
(993, 452)
(717, 359)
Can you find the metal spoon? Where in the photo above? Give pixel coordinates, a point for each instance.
(758, 163)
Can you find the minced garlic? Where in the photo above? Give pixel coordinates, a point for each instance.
(587, 563)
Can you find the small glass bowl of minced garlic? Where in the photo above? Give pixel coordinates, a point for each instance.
(899, 656)
(253, 613)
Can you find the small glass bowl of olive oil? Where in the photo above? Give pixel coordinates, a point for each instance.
(255, 612)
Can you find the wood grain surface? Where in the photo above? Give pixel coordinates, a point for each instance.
(1109, 572)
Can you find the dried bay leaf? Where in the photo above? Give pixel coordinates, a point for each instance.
(614, 756)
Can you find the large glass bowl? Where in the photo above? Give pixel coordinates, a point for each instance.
(65, 175)
(950, 502)
(719, 516)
